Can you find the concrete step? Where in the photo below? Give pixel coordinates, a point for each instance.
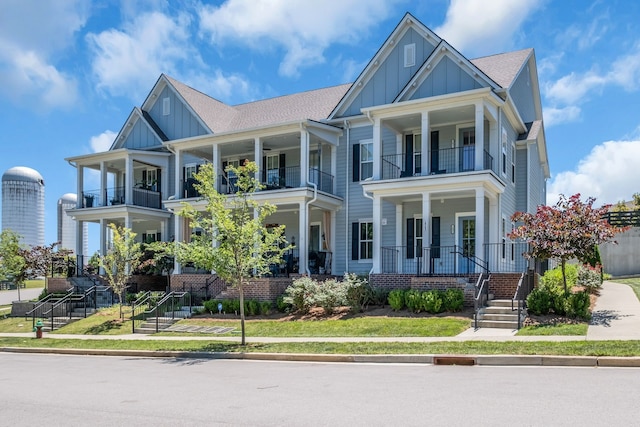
(502, 324)
(501, 303)
(499, 310)
(499, 317)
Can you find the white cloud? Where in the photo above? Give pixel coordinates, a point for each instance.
(609, 173)
(32, 32)
(102, 142)
(553, 116)
(480, 27)
(304, 29)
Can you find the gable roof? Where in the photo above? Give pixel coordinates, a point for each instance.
(136, 115)
(504, 67)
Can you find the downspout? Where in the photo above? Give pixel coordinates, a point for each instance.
(346, 197)
(315, 194)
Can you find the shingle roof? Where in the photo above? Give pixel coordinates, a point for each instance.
(502, 68)
(219, 117)
(533, 128)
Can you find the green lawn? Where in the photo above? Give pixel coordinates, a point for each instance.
(570, 348)
(355, 327)
(634, 283)
(16, 324)
(105, 322)
(34, 283)
(557, 329)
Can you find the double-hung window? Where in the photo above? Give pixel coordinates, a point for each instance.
(366, 240)
(366, 160)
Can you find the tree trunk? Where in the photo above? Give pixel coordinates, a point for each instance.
(241, 292)
(564, 276)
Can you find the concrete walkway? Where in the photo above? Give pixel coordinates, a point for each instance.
(616, 314)
(8, 296)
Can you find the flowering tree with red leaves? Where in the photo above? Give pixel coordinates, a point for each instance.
(570, 229)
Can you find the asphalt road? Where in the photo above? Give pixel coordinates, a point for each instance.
(8, 296)
(59, 390)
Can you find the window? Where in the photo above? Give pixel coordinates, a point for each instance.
(410, 55)
(273, 169)
(366, 160)
(166, 106)
(152, 179)
(513, 246)
(366, 240)
(513, 163)
(190, 170)
(417, 153)
(504, 152)
(503, 233)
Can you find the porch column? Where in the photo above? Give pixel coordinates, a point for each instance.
(399, 221)
(494, 227)
(178, 176)
(334, 169)
(332, 245)
(426, 230)
(424, 145)
(494, 143)
(480, 224)
(303, 227)
(304, 160)
(103, 241)
(479, 146)
(80, 187)
(377, 233)
(103, 184)
(377, 152)
(215, 162)
(257, 154)
(80, 238)
(128, 181)
(178, 235)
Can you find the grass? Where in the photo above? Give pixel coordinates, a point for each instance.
(105, 322)
(555, 329)
(570, 348)
(633, 283)
(34, 283)
(16, 324)
(354, 327)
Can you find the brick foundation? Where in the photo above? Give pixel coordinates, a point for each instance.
(503, 285)
(57, 284)
(390, 282)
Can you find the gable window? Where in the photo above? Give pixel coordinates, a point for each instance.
(166, 106)
(366, 160)
(410, 55)
(513, 163)
(362, 240)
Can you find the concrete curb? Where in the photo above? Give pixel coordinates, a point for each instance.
(428, 359)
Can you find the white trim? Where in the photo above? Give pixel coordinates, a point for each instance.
(166, 106)
(458, 215)
(360, 259)
(409, 55)
(360, 144)
(319, 224)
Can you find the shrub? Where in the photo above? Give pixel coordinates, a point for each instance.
(379, 296)
(282, 306)
(539, 301)
(577, 305)
(359, 293)
(453, 299)
(412, 300)
(396, 299)
(331, 294)
(590, 278)
(554, 277)
(252, 307)
(431, 301)
(211, 306)
(301, 294)
(265, 307)
(43, 294)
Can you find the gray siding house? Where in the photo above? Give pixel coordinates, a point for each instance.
(413, 169)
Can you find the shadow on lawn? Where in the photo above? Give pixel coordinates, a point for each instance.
(105, 327)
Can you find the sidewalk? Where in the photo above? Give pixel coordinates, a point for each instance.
(616, 314)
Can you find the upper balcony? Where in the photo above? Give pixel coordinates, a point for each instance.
(143, 197)
(440, 162)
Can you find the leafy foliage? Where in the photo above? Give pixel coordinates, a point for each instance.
(235, 243)
(590, 277)
(453, 299)
(396, 299)
(570, 229)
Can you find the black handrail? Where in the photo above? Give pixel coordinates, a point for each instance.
(65, 300)
(40, 305)
(141, 301)
(171, 299)
(480, 262)
(481, 290)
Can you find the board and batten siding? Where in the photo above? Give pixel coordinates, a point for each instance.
(391, 76)
(446, 77)
(508, 198)
(522, 175)
(537, 183)
(180, 122)
(141, 136)
(522, 94)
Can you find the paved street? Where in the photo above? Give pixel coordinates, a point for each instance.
(7, 297)
(101, 391)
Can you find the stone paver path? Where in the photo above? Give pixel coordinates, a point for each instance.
(616, 314)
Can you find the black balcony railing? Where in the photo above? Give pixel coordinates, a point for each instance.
(445, 161)
(116, 196)
(272, 179)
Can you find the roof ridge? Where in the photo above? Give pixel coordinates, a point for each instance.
(292, 94)
(502, 53)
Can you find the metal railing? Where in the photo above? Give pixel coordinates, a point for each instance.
(41, 306)
(323, 180)
(61, 308)
(168, 304)
(524, 288)
(116, 196)
(444, 161)
(431, 261)
(481, 296)
(623, 218)
(507, 256)
(138, 309)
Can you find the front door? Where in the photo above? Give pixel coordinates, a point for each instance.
(467, 244)
(467, 149)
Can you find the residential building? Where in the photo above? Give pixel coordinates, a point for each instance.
(414, 169)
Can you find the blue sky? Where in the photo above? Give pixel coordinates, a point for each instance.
(72, 70)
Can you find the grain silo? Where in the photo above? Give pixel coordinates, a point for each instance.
(23, 204)
(67, 230)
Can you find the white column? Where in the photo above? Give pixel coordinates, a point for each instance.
(399, 147)
(80, 187)
(80, 238)
(399, 221)
(424, 146)
(426, 230)
(377, 234)
(480, 224)
(177, 178)
(257, 154)
(377, 150)
(178, 237)
(334, 169)
(494, 143)
(128, 182)
(303, 227)
(103, 240)
(304, 159)
(479, 154)
(103, 185)
(494, 230)
(334, 237)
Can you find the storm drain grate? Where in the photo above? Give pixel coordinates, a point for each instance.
(454, 360)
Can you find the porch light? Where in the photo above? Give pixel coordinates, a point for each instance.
(453, 229)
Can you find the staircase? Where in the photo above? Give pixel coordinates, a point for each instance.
(149, 325)
(498, 314)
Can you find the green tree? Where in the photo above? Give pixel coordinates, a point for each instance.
(636, 200)
(121, 260)
(12, 262)
(235, 242)
(621, 206)
(570, 229)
